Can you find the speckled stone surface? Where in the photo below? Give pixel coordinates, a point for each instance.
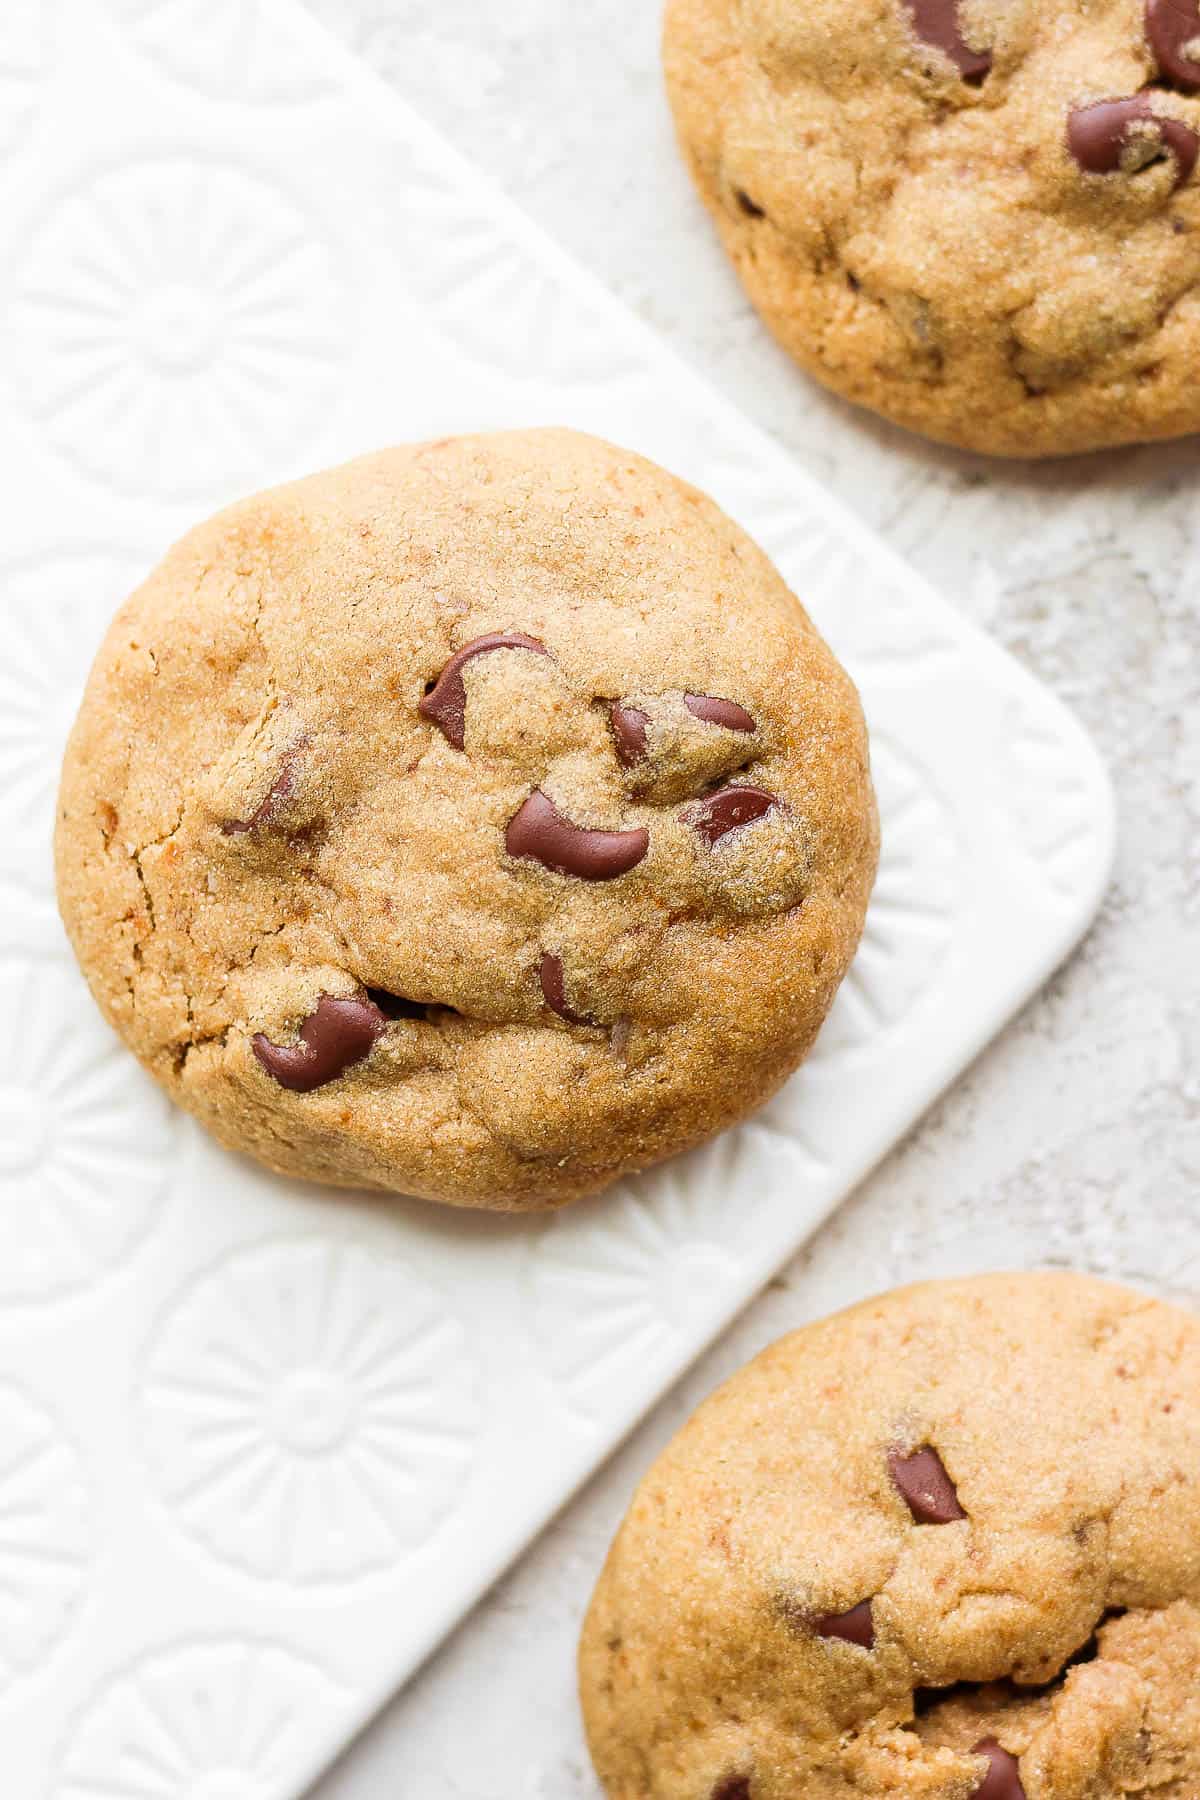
(1075, 1141)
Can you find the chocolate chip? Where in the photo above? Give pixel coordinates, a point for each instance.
(540, 832)
(1123, 136)
(719, 712)
(736, 1788)
(334, 1037)
(554, 992)
(750, 207)
(1172, 32)
(629, 728)
(278, 794)
(922, 1480)
(1003, 1779)
(446, 704)
(936, 22)
(854, 1627)
(727, 810)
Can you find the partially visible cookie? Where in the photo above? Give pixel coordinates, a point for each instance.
(980, 218)
(946, 1544)
(482, 820)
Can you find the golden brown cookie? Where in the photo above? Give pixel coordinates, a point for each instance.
(482, 820)
(945, 1544)
(980, 218)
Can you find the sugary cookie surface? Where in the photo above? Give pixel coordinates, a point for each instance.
(946, 1544)
(481, 820)
(980, 218)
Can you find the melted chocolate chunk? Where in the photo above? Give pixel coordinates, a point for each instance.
(1003, 1779)
(1124, 136)
(719, 712)
(554, 992)
(334, 1037)
(727, 810)
(854, 1627)
(629, 729)
(1173, 34)
(278, 794)
(446, 704)
(543, 834)
(736, 1788)
(750, 207)
(922, 1480)
(936, 22)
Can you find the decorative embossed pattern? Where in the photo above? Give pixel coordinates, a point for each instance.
(493, 305)
(209, 1721)
(311, 1411)
(180, 323)
(58, 607)
(44, 1536)
(1050, 811)
(85, 1140)
(617, 1283)
(914, 909)
(231, 49)
(312, 1428)
(25, 49)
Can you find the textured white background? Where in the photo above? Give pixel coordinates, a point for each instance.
(1077, 1137)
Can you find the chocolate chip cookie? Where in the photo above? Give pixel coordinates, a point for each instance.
(980, 218)
(482, 820)
(945, 1544)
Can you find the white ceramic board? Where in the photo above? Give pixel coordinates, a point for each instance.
(258, 1450)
